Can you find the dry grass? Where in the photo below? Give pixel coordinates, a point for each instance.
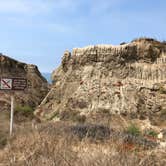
(56, 145)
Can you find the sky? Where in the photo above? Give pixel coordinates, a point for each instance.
(39, 31)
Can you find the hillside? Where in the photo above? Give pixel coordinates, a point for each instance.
(129, 79)
(107, 106)
(37, 84)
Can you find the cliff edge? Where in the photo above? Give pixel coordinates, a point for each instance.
(128, 79)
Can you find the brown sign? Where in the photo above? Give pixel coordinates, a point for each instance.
(13, 83)
(19, 83)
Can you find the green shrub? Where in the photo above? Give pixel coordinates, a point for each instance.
(133, 130)
(151, 133)
(24, 110)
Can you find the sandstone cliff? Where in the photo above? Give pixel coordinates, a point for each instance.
(37, 84)
(125, 79)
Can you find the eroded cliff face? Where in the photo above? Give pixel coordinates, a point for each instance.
(124, 79)
(37, 84)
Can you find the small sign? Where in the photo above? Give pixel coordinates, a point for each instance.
(19, 83)
(13, 83)
(6, 83)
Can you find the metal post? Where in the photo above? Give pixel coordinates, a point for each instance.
(11, 114)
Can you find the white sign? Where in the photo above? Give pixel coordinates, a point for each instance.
(6, 83)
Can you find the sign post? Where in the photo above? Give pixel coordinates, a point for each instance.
(12, 84)
(11, 114)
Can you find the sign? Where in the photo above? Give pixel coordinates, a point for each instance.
(13, 83)
(6, 84)
(19, 83)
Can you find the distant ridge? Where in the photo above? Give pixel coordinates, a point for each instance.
(47, 77)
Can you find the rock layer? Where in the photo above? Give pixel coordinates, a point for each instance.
(124, 79)
(37, 84)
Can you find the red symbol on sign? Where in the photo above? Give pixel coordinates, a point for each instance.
(6, 83)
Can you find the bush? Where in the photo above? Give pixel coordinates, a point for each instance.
(133, 130)
(145, 38)
(151, 133)
(93, 131)
(24, 110)
(122, 43)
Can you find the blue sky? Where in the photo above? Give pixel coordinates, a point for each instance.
(39, 31)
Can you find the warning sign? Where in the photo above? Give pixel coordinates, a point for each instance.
(19, 84)
(6, 83)
(13, 83)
